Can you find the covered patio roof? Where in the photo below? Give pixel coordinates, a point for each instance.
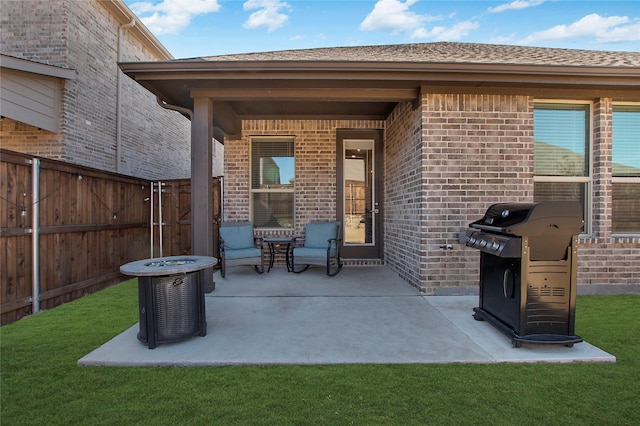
(367, 82)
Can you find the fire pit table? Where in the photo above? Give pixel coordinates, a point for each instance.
(170, 297)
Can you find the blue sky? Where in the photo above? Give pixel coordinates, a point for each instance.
(194, 28)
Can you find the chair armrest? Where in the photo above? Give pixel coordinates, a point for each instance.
(258, 242)
(337, 240)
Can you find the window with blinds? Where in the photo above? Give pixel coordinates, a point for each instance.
(272, 182)
(562, 139)
(626, 169)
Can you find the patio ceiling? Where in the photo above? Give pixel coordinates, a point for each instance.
(241, 95)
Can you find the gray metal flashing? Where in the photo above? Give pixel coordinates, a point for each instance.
(25, 65)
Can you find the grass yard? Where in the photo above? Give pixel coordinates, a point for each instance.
(42, 385)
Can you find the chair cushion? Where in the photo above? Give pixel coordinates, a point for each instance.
(237, 237)
(317, 234)
(241, 253)
(312, 252)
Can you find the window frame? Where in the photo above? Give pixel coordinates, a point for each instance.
(291, 189)
(586, 180)
(621, 179)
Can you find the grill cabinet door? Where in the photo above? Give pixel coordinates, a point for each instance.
(500, 288)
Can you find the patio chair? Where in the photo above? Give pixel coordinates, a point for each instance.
(321, 247)
(238, 246)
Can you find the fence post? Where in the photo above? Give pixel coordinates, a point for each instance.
(35, 235)
(151, 201)
(160, 217)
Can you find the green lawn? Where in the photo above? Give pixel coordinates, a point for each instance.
(41, 383)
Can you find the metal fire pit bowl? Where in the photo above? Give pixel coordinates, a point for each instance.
(171, 297)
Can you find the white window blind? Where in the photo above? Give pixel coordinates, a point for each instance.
(562, 135)
(626, 169)
(272, 182)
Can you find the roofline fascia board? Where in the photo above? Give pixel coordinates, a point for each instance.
(25, 65)
(420, 77)
(423, 73)
(191, 67)
(124, 15)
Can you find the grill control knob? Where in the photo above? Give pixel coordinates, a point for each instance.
(495, 246)
(483, 243)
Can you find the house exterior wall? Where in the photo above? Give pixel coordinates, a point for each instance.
(155, 143)
(405, 195)
(478, 150)
(446, 162)
(605, 259)
(315, 166)
(25, 138)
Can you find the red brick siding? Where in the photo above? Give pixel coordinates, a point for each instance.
(445, 166)
(315, 155)
(405, 195)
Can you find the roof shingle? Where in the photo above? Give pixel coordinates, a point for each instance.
(446, 52)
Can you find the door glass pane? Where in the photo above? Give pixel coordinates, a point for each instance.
(359, 202)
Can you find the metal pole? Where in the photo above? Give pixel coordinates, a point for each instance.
(151, 218)
(35, 235)
(160, 216)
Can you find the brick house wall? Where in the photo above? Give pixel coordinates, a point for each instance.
(315, 166)
(471, 150)
(479, 151)
(605, 259)
(405, 196)
(83, 36)
(25, 138)
(445, 162)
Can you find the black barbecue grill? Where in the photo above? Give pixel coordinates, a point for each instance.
(528, 265)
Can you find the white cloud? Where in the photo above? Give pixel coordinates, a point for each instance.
(609, 29)
(394, 16)
(516, 5)
(509, 39)
(172, 16)
(621, 33)
(442, 33)
(268, 14)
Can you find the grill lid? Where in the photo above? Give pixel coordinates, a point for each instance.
(506, 214)
(521, 219)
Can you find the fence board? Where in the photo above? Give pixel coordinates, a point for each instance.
(91, 223)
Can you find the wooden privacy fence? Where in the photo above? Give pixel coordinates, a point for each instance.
(65, 230)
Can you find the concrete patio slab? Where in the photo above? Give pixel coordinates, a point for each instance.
(364, 315)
